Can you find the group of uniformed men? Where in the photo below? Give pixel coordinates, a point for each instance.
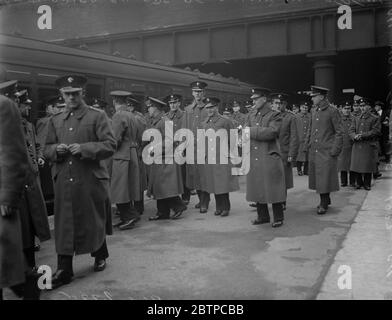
(97, 161)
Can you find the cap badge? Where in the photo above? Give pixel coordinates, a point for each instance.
(70, 79)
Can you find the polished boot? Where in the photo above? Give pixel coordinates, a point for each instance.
(262, 214)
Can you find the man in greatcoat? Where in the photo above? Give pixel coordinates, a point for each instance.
(33, 215)
(237, 116)
(324, 141)
(344, 159)
(78, 141)
(165, 177)
(141, 124)
(124, 183)
(195, 114)
(265, 181)
(176, 115)
(303, 121)
(288, 137)
(364, 131)
(13, 169)
(217, 177)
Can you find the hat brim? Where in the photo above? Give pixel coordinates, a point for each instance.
(255, 96)
(210, 105)
(69, 90)
(197, 89)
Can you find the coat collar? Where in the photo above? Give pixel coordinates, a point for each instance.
(174, 114)
(200, 105)
(79, 112)
(263, 109)
(366, 115)
(324, 104)
(213, 118)
(156, 118)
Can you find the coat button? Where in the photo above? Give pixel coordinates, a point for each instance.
(71, 113)
(71, 179)
(317, 119)
(255, 148)
(316, 150)
(256, 159)
(70, 129)
(70, 163)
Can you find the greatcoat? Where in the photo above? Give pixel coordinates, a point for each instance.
(126, 174)
(194, 115)
(344, 159)
(324, 140)
(13, 169)
(265, 182)
(34, 216)
(364, 152)
(217, 178)
(81, 182)
(165, 179)
(288, 140)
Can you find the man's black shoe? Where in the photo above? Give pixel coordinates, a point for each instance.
(343, 185)
(128, 224)
(321, 210)
(253, 205)
(31, 289)
(60, 278)
(257, 221)
(159, 216)
(224, 213)
(99, 265)
(218, 212)
(367, 188)
(197, 205)
(203, 210)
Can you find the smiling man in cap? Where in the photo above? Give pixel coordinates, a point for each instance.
(78, 140)
(324, 141)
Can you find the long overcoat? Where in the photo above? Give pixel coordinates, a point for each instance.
(364, 152)
(217, 178)
(13, 169)
(344, 159)
(194, 115)
(81, 182)
(34, 216)
(303, 121)
(165, 179)
(265, 182)
(324, 140)
(288, 140)
(125, 183)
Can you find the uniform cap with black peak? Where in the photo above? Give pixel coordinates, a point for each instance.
(71, 83)
(279, 95)
(317, 90)
(173, 98)
(260, 92)
(198, 85)
(156, 102)
(211, 102)
(23, 97)
(9, 88)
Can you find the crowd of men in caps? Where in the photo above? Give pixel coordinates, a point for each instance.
(95, 161)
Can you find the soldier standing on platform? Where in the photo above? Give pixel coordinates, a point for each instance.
(78, 140)
(125, 180)
(265, 180)
(365, 131)
(288, 137)
(165, 179)
(33, 212)
(217, 178)
(194, 115)
(303, 122)
(344, 159)
(142, 175)
(324, 140)
(176, 115)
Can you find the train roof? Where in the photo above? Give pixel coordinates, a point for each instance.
(36, 53)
